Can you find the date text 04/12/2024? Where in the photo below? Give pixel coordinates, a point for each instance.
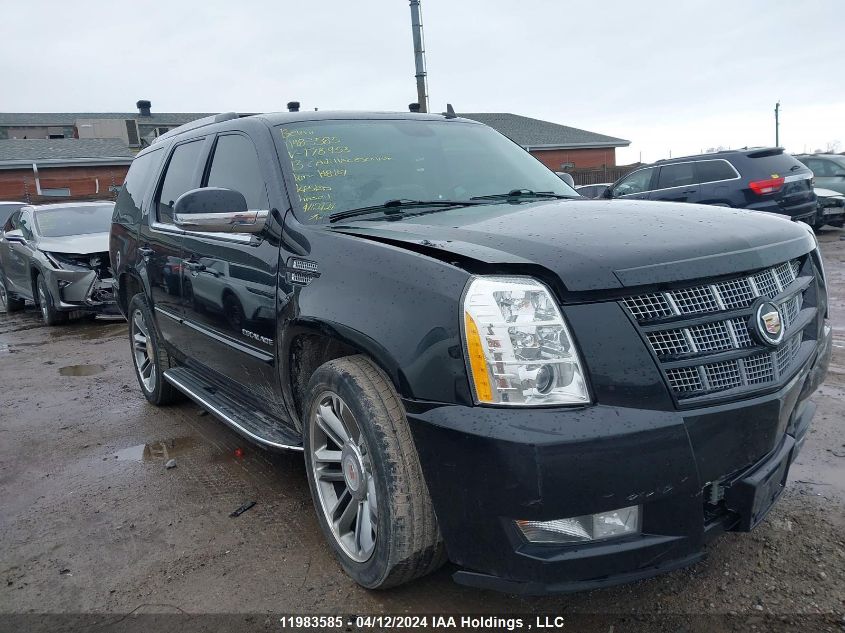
(390, 622)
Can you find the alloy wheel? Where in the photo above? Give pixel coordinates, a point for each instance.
(342, 469)
(143, 351)
(42, 302)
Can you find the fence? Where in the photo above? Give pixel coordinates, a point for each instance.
(600, 174)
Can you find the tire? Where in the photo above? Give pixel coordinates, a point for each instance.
(386, 481)
(149, 358)
(45, 302)
(7, 303)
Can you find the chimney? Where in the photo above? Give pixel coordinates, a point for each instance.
(293, 106)
(143, 107)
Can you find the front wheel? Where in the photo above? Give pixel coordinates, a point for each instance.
(365, 476)
(49, 313)
(148, 357)
(7, 303)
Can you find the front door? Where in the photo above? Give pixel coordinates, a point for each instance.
(635, 186)
(229, 281)
(13, 259)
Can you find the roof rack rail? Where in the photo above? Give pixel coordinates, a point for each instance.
(208, 120)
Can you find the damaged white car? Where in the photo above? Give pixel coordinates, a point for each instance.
(56, 255)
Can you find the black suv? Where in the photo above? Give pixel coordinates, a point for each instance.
(762, 179)
(552, 392)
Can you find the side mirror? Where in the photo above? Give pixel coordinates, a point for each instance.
(15, 236)
(217, 210)
(607, 194)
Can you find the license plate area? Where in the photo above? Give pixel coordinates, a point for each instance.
(754, 493)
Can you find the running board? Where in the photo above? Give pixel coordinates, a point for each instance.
(257, 426)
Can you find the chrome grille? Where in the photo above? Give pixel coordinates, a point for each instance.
(711, 337)
(651, 306)
(692, 300)
(690, 347)
(685, 380)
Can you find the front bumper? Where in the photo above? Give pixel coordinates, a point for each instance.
(486, 467)
(81, 291)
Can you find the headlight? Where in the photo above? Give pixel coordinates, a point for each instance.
(69, 262)
(519, 350)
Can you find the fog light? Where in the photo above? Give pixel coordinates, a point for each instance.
(583, 529)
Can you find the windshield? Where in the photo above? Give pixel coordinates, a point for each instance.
(343, 165)
(74, 220)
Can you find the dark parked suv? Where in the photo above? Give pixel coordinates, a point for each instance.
(552, 392)
(762, 179)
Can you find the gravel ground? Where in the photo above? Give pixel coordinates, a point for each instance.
(91, 521)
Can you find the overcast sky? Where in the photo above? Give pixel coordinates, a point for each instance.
(667, 75)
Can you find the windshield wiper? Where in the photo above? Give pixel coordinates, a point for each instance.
(391, 207)
(520, 193)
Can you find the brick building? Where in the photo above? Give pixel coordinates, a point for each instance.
(49, 170)
(557, 146)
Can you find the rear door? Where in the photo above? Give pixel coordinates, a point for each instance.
(161, 241)
(229, 279)
(11, 258)
(635, 186)
(676, 182)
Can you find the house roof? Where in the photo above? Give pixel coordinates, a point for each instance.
(538, 134)
(63, 151)
(60, 119)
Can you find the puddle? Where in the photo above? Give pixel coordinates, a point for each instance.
(82, 370)
(156, 451)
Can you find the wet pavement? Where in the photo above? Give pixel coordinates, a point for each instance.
(92, 521)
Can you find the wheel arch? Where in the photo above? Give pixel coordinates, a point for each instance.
(309, 344)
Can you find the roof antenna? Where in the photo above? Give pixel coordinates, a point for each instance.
(450, 112)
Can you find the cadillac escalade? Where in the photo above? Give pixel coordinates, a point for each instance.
(479, 365)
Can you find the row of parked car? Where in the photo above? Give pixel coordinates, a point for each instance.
(809, 188)
(56, 255)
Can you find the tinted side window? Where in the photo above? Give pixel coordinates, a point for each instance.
(128, 206)
(12, 222)
(25, 225)
(676, 175)
(637, 182)
(712, 170)
(235, 166)
(178, 179)
(822, 168)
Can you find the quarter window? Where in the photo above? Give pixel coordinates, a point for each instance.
(713, 170)
(180, 177)
(128, 205)
(235, 166)
(678, 175)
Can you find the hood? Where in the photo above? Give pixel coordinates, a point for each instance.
(600, 244)
(79, 244)
(827, 193)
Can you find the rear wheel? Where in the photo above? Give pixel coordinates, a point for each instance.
(49, 313)
(7, 303)
(365, 476)
(148, 357)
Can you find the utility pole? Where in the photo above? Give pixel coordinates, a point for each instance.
(777, 124)
(419, 55)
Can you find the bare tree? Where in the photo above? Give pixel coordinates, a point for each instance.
(832, 147)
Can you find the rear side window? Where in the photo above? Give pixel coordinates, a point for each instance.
(235, 166)
(677, 175)
(713, 170)
(128, 207)
(180, 177)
